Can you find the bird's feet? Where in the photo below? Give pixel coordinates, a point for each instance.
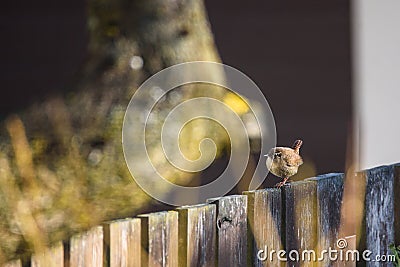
(279, 185)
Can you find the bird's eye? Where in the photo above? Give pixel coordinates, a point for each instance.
(277, 154)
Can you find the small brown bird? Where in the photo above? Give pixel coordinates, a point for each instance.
(284, 161)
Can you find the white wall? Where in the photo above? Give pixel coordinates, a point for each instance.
(376, 50)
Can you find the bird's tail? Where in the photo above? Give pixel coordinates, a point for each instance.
(296, 146)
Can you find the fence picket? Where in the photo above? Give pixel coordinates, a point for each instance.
(197, 235)
(301, 220)
(86, 249)
(329, 203)
(124, 243)
(396, 206)
(305, 216)
(264, 222)
(159, 238)
(379, 211)
(231, 230)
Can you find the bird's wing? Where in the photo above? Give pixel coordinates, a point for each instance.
(293, 160)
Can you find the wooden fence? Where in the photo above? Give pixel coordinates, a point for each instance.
(231, 230)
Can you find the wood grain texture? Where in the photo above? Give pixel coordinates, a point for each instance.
(396, 188)
(301, 220)
(197, 235)
(329, 203)
(86, 250)
(379, 211)
(264, 220)
(159, 238)
(124, 243)
(231, 230)
(51, 257)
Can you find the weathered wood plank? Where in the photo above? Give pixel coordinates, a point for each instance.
(231, 230)
(329, 203)
(301, 221)
(379, 211)
(124, 243)
(54, 256)
(86, 250)
(306, 215)
(159, 238)
(197, 235)
(396, 201)
(264, 217)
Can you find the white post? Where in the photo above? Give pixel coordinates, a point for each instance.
(376, 54)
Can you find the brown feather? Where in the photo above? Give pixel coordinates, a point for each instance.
(285, 161)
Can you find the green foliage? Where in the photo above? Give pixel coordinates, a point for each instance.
(396, 252)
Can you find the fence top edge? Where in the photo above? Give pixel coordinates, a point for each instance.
(88, 232)
(157, 213)
(195, 206)
(298, 183)
(268, 190)
(128, 219)
(325, 176)
(379, 168)
(214, 199)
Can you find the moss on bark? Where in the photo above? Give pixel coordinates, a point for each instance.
(61, 164)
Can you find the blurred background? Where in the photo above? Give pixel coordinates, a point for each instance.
(329, 70)
(298, 54)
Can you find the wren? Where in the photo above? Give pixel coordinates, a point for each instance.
(284, 162)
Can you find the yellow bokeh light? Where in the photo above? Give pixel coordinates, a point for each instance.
(237, 103)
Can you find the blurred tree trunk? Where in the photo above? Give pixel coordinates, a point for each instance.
(61, 164)
(166, 32)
